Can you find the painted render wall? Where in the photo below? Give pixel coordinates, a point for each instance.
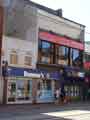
(20, 31)
(22, 48)
(59, 25)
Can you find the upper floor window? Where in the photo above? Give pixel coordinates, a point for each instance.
(45, 52)
(28, 59)
(76, 57)
(13, 57)
(62, 55)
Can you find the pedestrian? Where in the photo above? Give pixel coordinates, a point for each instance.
(57, 96)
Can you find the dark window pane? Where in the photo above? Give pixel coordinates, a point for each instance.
(45, 52)
(76, 58)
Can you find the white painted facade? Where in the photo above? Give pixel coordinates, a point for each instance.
(59, 25)
(20, 33)
(22, 47)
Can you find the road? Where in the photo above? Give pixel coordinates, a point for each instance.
(79, 111)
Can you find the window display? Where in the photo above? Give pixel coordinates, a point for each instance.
(44, 92)
(19, 90)
(11, 91)
(73, 91)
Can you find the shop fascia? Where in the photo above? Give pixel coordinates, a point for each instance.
(76, 74)
(37, 75)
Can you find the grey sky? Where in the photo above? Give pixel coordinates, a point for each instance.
(77, 10)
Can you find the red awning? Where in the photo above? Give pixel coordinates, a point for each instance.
(60, 40)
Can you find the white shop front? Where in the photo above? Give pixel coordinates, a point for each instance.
(20, 88)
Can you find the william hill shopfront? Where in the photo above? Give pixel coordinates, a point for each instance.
(28, 86)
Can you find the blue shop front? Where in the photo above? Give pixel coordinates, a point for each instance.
(27, 85)
(39, 85)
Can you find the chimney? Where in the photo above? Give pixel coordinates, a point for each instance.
(59, 12)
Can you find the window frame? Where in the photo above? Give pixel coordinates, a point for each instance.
(80, 57)
(47, 54)
(28, 62)
(13, 57)
(61, 57)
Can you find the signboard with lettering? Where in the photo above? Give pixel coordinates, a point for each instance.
(33, 73)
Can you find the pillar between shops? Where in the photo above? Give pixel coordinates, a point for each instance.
(5, 79)
(34, 91)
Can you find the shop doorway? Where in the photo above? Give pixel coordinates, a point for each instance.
(45, 91)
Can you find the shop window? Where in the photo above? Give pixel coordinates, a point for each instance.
(76, 58)
(45, 52)
(28, 59)
(62, 55)
(44, 92)
(23, 90)
(11, 91)
(87, 57)
(13, 57)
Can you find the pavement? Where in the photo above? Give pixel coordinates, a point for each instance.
(72, 111)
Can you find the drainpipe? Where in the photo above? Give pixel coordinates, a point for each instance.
(1, 38)
(1, 31)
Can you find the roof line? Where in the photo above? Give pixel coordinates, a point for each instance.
(50, 10)
(73, 21)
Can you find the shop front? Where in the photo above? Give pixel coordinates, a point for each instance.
(45, 91)
(73, 83)
(19, 90)
(26, 85)
(47, 85)
(21, 85)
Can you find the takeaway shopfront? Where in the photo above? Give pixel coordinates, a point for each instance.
(73, 83)
(28, 86)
